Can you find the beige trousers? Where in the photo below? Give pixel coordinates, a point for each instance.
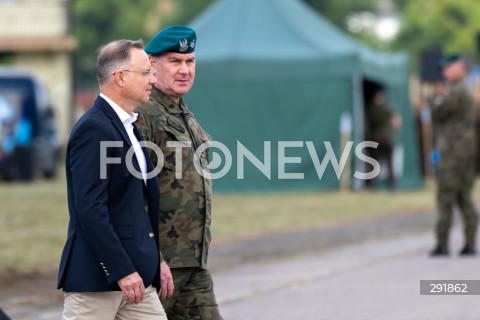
(111, 305)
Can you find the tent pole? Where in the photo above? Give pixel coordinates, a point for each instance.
(358, 126)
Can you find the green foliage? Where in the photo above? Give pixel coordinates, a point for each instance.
(186, 11)
(99, 22)
(336, 11)
(449, 24)
(6, 59)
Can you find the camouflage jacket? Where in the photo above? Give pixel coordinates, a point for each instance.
(454, 124)
(185, 195)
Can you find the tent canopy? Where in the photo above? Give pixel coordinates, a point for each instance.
(283, 30)
(274, 70)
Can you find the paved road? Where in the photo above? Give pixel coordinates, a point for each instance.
(365, 279)
(375, 280)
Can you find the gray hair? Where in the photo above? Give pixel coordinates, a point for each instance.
(113, 56)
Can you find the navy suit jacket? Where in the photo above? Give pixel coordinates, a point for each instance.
(113, 228)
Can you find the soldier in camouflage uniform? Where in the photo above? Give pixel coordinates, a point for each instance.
(185, 194)
(453, 113)
(381, 123)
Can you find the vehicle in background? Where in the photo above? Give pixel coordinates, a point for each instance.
(29, 142)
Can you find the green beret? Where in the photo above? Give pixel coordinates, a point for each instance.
(172, 39)
(450, 59)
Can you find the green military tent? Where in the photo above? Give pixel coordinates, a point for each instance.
(278, 83)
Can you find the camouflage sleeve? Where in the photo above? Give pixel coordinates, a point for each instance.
(442, 107)
(144, 125)
(449, 105)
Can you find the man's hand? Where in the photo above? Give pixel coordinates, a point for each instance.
(166, 281)
(132, 287)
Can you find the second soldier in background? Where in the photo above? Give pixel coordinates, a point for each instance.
(453, 113)
(185, 195)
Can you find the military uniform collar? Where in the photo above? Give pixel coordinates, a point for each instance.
(170, 106)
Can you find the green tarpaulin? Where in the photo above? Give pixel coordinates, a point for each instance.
(273, 76)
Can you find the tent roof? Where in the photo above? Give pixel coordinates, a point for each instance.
(269, 30)
(274, 70)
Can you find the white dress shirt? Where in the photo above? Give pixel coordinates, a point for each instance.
(128, 120)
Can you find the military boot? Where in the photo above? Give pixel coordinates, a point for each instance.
(468, 250)
(439, 250)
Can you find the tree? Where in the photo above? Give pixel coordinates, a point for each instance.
(98, 22)
(336, 11)
(359, 18)
(452, 25)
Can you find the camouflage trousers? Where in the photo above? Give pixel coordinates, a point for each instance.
(193, 296)
(455, 189)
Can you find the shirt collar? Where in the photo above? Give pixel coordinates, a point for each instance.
(125, 117)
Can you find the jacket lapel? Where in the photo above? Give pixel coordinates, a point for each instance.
(103, 105)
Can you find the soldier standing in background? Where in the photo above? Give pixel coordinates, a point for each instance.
(453, 114)
(381, 123)
(185, 195)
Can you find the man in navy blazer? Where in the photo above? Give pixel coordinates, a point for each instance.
(110, 264)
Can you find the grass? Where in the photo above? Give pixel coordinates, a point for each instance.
(34, 216)
(33, 220)
(244, 215)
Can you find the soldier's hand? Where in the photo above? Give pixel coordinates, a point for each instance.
(166, 281)
(132, 287)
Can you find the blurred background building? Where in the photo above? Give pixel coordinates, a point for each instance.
(37, 36)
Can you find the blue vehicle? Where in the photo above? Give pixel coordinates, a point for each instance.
(29, 142)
